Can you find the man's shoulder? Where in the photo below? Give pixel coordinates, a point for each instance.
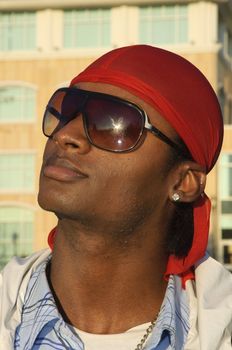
(18, 268)
(210, 302)
(212, 282)
(14, 279)
(17, 272)
(209, 270)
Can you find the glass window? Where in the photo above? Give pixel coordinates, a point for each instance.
(222, 100)
(225, 206)
(225, 101)
(229, 119)
(17, 104)
(226, 225)
(87, 28)
(225, 38)
(164, 24)
(17, 31)
(221, 30)
(16, 232)
(227, 233)
(17, 172)
(226, 159)
(229, 44)
(226, 181)
(227, 250)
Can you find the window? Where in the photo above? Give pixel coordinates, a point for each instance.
(221, 30)
(17, 172)
(16, 232)
(227, 254)
(87, 28)
(225, 38)
(164, 24)
(226, 183)
(227, 44)
(17, 104)
(225, 205)
(228, 111)
(222, 99)
(17, 31)
(225, 101)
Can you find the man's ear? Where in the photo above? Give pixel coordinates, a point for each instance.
(188, 182)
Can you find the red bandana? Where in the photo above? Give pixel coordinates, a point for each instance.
(184, 97)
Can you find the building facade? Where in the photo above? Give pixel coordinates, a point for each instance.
(43, 44)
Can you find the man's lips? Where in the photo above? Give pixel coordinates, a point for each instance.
(62, 170)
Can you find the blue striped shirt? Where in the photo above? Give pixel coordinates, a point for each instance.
(43, 328)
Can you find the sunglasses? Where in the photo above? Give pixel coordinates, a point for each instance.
(110, 123)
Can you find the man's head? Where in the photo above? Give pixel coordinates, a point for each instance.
(180, 103)
(130, 184)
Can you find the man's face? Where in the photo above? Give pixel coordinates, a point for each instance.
(101, 188)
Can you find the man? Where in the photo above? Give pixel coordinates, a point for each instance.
(129, 145)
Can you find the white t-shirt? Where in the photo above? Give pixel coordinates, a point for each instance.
(123, 341)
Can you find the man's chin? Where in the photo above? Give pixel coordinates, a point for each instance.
(45, 203)
(49, 204)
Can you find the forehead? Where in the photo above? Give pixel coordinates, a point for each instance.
(154, 116)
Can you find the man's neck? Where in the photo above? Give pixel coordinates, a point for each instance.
(104, 287)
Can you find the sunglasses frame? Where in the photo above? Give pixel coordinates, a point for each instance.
(146, 122)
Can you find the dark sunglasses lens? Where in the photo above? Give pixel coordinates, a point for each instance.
(112, 125)
(63, 106)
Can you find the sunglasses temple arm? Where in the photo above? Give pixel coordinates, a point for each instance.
(164, 138)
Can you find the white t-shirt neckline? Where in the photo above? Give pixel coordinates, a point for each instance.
(123, 341)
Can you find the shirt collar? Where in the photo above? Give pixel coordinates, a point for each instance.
(40, 312)
(40, 309)
(173, 320)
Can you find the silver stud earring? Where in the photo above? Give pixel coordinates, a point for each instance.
(175, 197)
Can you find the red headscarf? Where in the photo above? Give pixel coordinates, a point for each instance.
(184, 97)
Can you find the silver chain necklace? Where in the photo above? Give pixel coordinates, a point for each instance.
(140, 345)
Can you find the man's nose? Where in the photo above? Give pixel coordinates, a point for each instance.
(72, 136)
